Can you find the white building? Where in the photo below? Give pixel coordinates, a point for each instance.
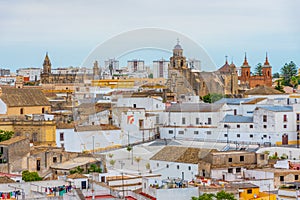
(197, 121)
(136, 65)
(176, 161)
(34, 74)
(162, 189)
(111, 62)
(194, 63)
(160, 68)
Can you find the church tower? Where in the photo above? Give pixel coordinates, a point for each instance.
(267, 72)
(47, 65)
(177, 61)
(245, 71)
(96, 70)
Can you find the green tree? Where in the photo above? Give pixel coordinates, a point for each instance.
(222, 195)
(204, 196)
(150, 75)
(287, 72)
(112, 163)
(294, 81)
(276, 75)
(258, 69)
(30, 176)
(94, 168)
(211, 98)
(5, 135)
(279, 87)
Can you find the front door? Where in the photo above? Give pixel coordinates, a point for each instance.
(285, 139)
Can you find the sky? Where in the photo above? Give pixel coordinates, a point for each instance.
(70, 30)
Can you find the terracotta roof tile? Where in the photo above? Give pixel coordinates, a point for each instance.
(14, 97)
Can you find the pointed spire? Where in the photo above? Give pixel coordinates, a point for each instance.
(245, 60)
(47, 60)
(232, 60)
(266, 62)
(226, 62)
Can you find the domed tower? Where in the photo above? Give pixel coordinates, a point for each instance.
(245, 71)
(47, 65)
(267, 72)
(177, 61)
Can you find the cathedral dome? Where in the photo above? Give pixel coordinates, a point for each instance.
(177, 46)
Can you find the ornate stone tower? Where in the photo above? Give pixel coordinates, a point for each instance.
(47, 65)
(178, 61)
(46, 73)
(96, 70)
(267, 72)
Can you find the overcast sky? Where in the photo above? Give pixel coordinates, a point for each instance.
(70, 30)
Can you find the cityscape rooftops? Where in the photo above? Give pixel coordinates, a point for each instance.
(277, 108)
(194, 107)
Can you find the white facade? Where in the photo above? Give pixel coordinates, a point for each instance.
(87, 140)
(34, 74)
(185, 171)
(160, 68)
(149, 104)
(167, 193)
(136, 65)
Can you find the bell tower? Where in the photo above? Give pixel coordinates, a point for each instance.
(245, 74)
(267, 72)
(177, 61)
(47, 65)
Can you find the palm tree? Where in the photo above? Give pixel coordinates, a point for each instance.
(138, 159)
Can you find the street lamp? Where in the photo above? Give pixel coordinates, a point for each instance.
(174, 130)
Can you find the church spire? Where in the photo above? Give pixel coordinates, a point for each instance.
(47, 64)
(245, 60)
(267, 61)
(226, 61)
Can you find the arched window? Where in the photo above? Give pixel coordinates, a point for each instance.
(21, 111)
(43, 110)
(268, 73)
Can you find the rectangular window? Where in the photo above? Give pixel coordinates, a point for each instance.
(238, 135)
(196, 132)
(54, 159)
(265, 136)
(281, 178)
(238, 126)
(181, 132)
(190, 168)
(170, 131)
(262, 156)
(298, 127)
(284, 118)
(298, 117)
(251, 136)
(265, 119)
(197, 120)
(296, 177)
(230, 170)
(177, 166)
(242, 158)
(265, 126)
(208, 132)
(183, 120)
(249, 191)
(225, 135)
(284, 126)
(251, 126)
(61, 136)
(238, 170)
(209, 121)
(229, 159)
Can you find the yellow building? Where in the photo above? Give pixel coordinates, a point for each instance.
(40, 132)
(23, 101)
(249, 191)
(114, 83)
